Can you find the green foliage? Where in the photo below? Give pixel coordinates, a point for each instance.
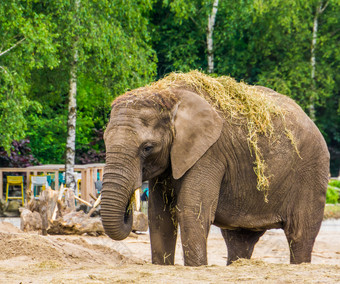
(114, 54)
(333, 192)
(178, 29)
(335, 183)
(26, 38)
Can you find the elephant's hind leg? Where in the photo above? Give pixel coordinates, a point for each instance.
(240, 243)
(301, 237)
(305, 213)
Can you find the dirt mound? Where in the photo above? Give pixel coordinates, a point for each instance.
(6, 227)
(60, 249)
(34, 246)
(28, 258)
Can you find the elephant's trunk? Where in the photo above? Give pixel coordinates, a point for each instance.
(116, 209)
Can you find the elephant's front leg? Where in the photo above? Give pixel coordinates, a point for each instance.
(196, 207)
(194, 227)
(162, 221)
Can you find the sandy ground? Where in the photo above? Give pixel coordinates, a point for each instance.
(31, 258)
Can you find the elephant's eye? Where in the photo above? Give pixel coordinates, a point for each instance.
(147, 149)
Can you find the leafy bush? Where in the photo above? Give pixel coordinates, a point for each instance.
(333, 190)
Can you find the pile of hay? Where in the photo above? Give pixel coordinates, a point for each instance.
(241, 104)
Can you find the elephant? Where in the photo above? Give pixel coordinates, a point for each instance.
(201, 172)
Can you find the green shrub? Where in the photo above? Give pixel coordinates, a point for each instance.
(333, 191)
(335, 183)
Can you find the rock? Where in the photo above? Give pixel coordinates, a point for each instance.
(12, 209)
(11, 214)
(140, 222)
(3, 205)
(13, 206)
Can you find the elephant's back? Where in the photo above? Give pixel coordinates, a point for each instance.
(305, 134)
(296, 154)
(297, 169)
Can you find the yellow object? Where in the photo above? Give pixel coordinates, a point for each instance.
(15, 181)
(78, 187)
(77, 177)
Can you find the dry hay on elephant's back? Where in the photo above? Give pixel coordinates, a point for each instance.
(240, 103)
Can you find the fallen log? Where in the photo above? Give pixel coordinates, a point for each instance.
(76, 223)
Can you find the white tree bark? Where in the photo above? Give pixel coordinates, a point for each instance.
(71, 124)
(72, 117)
(319, 10)
(210, 32)
(14, 45)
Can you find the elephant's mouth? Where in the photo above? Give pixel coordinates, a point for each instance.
(129, 208)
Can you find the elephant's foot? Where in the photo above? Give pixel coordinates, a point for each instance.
(194, 258)
(194, 243)
(300, 248)
(166, 258)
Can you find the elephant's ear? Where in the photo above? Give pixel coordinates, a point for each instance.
(197, 127)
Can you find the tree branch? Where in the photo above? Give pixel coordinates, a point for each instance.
(4, 52)
(193, 20)
(323, 8)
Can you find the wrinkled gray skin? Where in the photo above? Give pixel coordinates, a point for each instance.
(201, 173)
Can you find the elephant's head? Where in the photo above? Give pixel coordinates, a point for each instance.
(146, 135)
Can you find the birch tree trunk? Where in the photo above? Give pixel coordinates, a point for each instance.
(319, 10)
(210, 32)
(71, 124)
(72, 116)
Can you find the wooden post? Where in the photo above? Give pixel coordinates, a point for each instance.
(88, 184)
(56, 180)
(91, 185)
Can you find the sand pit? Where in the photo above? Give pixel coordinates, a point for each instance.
(32, 258)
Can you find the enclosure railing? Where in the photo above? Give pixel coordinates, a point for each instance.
(89, 173)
